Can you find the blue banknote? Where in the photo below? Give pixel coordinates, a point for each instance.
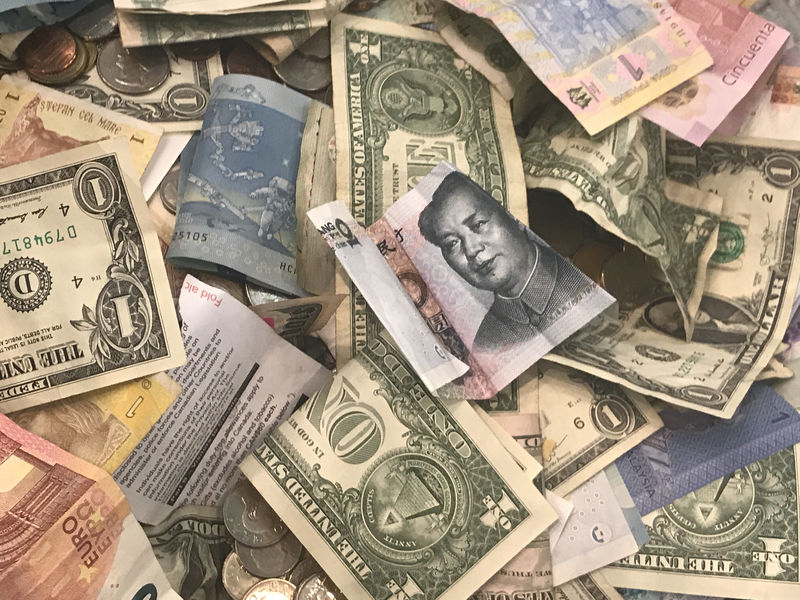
(694, 449)
(18, 15)
(237, 208)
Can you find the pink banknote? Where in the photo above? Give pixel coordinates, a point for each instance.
(743, 46)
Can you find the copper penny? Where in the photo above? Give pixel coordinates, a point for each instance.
(48, 50)
(71, 73)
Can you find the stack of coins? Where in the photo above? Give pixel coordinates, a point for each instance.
(54, 56)
(268, 562)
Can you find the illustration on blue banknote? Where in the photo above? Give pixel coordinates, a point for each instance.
(238, 206)
(580, 32)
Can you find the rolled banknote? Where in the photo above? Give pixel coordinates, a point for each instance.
(734, 537)
(743, 46)
(602, 61)
(85, 298)
(74, 536)
(38, 121)
(426, 502)
(103, 426)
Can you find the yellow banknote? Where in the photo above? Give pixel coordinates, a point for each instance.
(103, 426)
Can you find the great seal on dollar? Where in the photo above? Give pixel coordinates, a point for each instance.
(25, 284)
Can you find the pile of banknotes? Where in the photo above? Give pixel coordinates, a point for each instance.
(400, 300)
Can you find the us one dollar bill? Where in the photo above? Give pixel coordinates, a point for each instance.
(734, 537)
(617, 178)
(404, 102)
(592, 586)
(587, 423)
(85, 297)
(103, 426)
(178, 104)
(748, 296)
(394, 490)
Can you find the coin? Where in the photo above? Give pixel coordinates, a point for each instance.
(591, 257)
(236, 580)
(168, 188)
(243, 59)
(8, 65)
(48, 50)
(304, 73)
(272, 561)
(318, 587)
(259, 295)
(626, 276)
(91, 60)
(95, 22)
(318, 45)
(195, 50)
(132, 70)
(304, 569)
(250, 519)
(271, 589)
(71, 73)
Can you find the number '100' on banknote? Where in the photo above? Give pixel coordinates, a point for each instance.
(84, 297)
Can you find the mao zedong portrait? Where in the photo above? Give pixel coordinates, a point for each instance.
(493, 251)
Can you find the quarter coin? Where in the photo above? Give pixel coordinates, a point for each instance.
(318, 587)
(272, 561)
(304, 569)
(318, 45)
(132, 70)
(259, 295)
(250, 519)
(304, 73)
(48, 50)
(168, 188)
(271, 589)
(235, 578)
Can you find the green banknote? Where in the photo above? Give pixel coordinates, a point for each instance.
(403, 102)
(617, 178)
(397, 493)
(748, 294)
(735, 537)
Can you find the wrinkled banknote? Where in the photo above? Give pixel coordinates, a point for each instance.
(485, 48)
(178, 104)
(588, 587)
(103, 426)
(587, 423)
(237, 211)
(447, 111)
(396, 489)
(693, 449)
(194, 7)
(37, 121)
(191, 545)
(617, 178)
(298, 316)
(142, 29)
(74, 537)
(22, 15)
(743, 46)
(316, 185)
(749, 292)
(85, 298)
(602, 60)
(734, 537)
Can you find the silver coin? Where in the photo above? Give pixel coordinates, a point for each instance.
(304, 73)
(132, 70)
(272, 561)
(271, 589)
(318, 587)
(249, 519)
(304, 569)
(235, 578)
(94, 22)
(318, 45)
(168, 188)
(259, 295)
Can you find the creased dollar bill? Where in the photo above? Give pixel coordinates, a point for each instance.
(587, 423)
(748, 297)
(588, 587)
(103, 426)
(617, 178)
(734, 537)
(85, 297)
(178, 104)
(38, 121)
(424, 501)
(71, 533)
(603, 60)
